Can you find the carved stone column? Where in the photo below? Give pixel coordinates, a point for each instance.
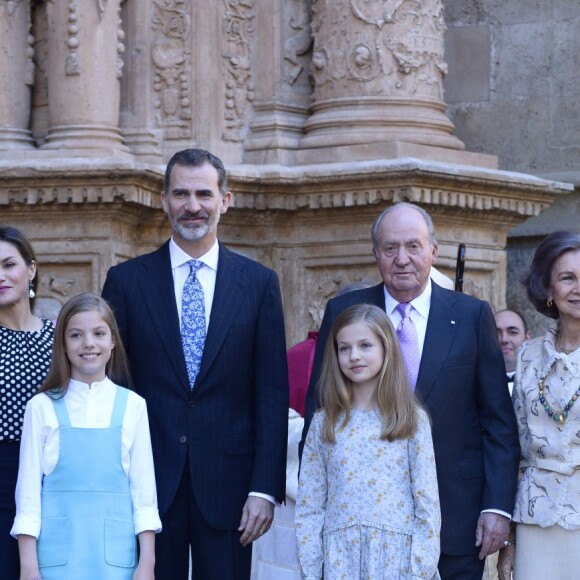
(84, 71)
(378, 70)
(137, 109)
(283, 88)
(16, 74)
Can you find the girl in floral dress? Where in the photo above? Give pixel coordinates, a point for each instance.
(368, 504)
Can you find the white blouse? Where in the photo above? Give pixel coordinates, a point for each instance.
(88, 406)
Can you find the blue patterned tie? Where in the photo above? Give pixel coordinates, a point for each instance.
(193, 321)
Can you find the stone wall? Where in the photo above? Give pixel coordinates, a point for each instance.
(512, 90)
(324, 111)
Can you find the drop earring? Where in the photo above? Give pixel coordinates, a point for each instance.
(31, 292)
(549, 303)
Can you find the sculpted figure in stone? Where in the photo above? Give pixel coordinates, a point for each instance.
(300, 42)
(238, 28)
(172, 22)
(394, 47)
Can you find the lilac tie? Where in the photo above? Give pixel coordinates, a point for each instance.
(409, 343)
(193, 321)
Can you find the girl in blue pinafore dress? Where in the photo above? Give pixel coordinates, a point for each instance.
(86, 485)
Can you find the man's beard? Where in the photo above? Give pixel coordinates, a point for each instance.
(193, 233)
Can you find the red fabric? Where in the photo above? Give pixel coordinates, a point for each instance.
(300, 360)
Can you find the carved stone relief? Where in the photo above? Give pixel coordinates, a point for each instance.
(238, 30)
(172, 62)
(58, 283)
(299, 39)
(386, 48)
(72, 63)
(120, 43)
(326, 282)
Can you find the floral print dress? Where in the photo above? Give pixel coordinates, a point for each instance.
(367, 508)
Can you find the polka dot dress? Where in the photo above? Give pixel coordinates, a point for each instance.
(24, 362)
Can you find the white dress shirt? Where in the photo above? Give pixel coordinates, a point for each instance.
(88, 406)
(207, 277)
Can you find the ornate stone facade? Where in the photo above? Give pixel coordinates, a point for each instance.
(324, 112)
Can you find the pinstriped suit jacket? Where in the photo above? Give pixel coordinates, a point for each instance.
(232, 428)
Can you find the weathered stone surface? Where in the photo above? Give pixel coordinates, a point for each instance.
(324, 112)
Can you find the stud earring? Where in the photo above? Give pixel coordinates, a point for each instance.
(31, 292)
(549, 303)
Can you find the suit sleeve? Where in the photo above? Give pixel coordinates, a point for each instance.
(312, 398)
(501, 448)
(271, 395)
(113, 293)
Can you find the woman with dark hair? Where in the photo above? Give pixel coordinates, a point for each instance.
(25, 350)
(545, 541)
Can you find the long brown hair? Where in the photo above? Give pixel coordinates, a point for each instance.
(117, 369)
(396, 403)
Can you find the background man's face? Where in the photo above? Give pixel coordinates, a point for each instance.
(511, 334)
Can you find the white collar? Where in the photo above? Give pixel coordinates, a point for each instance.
(75, 385)
(178, 257)
(421, 304)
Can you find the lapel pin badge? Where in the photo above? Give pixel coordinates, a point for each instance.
(453, 322)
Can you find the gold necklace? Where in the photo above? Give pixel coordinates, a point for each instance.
(561, 347)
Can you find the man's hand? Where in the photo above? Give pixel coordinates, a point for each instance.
(491, 533)
(257, 518)
(505, 563)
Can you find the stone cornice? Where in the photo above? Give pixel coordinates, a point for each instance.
(364, 183)
(80, 181)
(283, 188)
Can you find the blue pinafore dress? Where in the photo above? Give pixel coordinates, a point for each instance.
(87, 526)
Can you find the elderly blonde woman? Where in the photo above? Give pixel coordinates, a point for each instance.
(546, 521)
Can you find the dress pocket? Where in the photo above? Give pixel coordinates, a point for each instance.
(53, 542)
(120, 543)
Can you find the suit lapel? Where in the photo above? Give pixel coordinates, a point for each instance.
(440, 333)
(157, 289)
(230, 287)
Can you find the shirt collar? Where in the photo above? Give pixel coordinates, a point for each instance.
(81, 386)
(178, 257)
(421, 304)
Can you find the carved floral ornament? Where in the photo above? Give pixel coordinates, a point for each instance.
(393, 47)
(239, 30)
(172, 24)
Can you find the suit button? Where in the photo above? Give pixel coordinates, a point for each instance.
(183, 439)
(192, 403)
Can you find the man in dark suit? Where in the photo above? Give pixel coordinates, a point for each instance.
(461, 381)
(218, 430)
